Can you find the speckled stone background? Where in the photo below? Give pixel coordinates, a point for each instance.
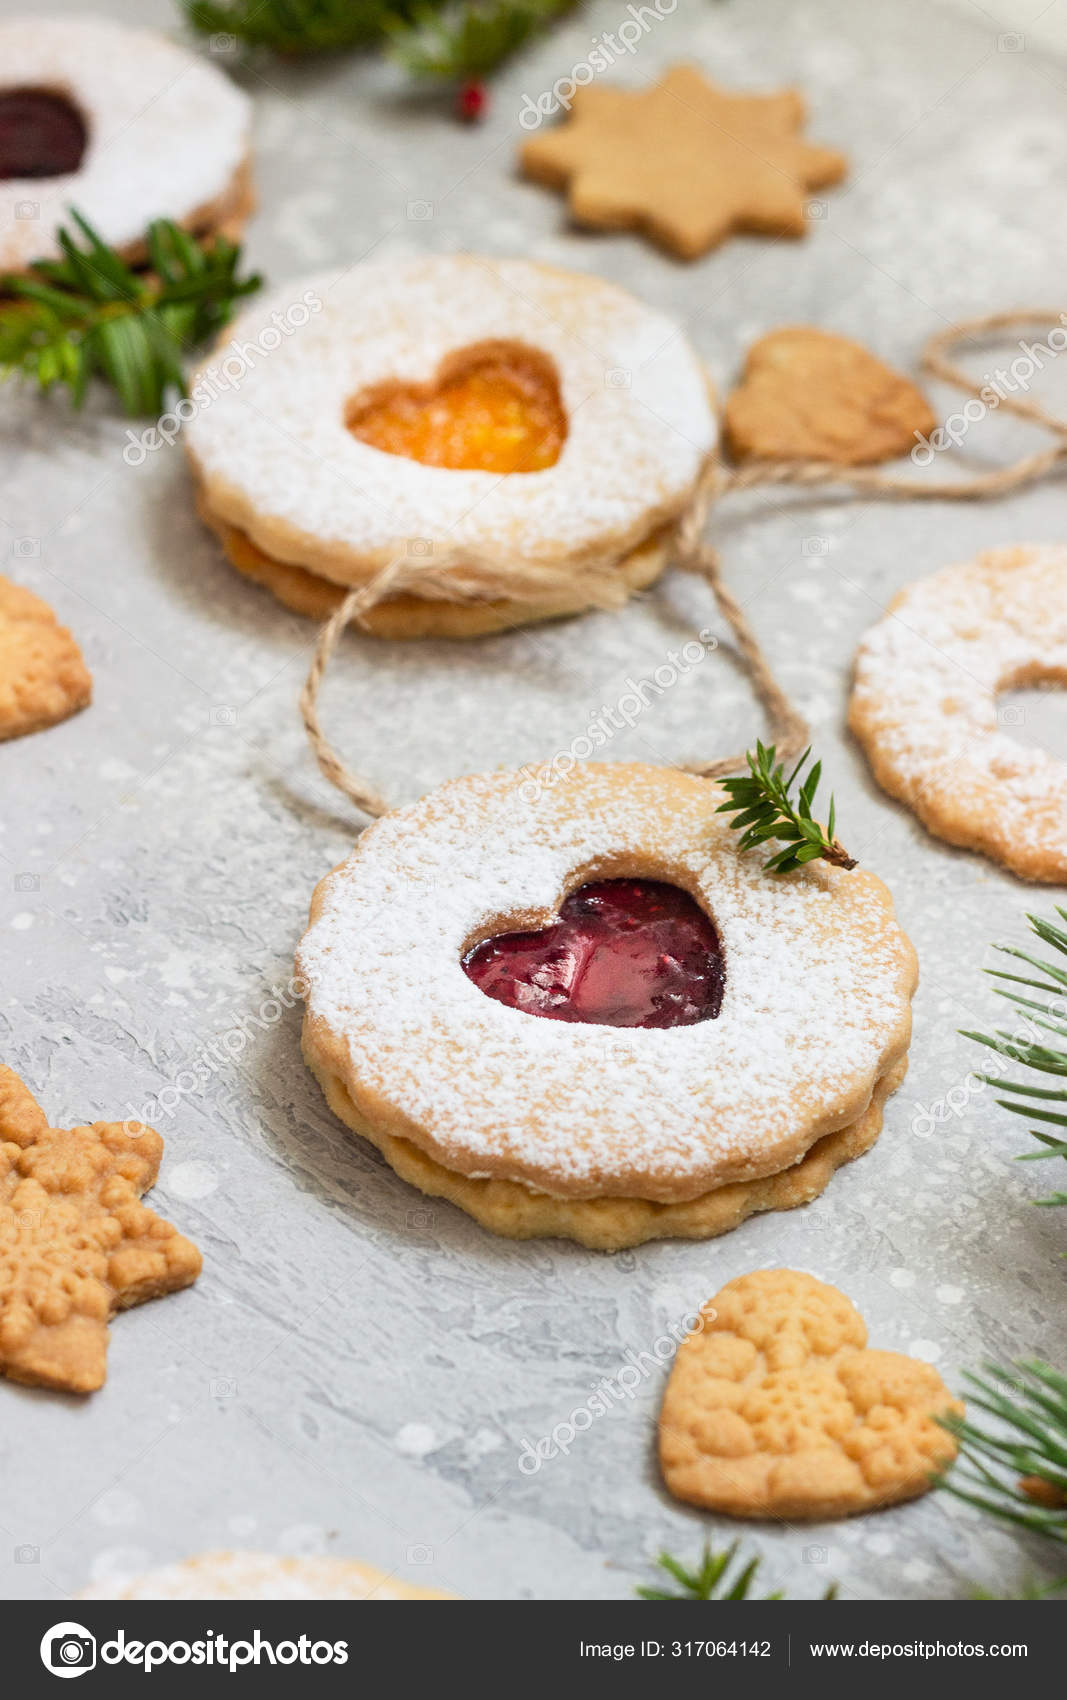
(357, 1369)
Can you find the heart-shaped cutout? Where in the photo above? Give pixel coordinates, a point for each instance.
(42, 134)
(777, 1408)
(623, 953)
(493, 407)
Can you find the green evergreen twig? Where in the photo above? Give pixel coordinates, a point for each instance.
(763, 808)
(1047, 1014)
(1018, 1469)
(713, 1579)
(91, 315)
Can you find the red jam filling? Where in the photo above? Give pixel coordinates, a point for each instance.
(624, 953)
(41, 134)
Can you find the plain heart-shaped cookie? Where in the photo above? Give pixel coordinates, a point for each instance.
(775, 1408)
(623, 953)
(807, 394)
(43, 678)
(494, 408)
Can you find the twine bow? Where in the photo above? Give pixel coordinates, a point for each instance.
(463, 577)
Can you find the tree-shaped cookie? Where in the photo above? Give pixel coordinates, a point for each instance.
(76, 1243)
(684, 161)
(43, 678)
(776, 1407)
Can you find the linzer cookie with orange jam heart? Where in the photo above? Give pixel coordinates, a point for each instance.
(121, 124)
(577, 1009)
(507, 442)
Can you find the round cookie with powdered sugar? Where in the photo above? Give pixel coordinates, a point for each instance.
(924, 705)
(261, 1576)
(583, 995)
(418, 418)
(119, 123)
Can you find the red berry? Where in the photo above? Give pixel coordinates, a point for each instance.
(472, 102)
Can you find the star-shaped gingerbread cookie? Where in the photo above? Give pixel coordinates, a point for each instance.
(776, 1408)
(807, 394)
(43, 678)
(684, 161)
(76, 1243)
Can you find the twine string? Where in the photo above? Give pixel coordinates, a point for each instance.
(463, 577)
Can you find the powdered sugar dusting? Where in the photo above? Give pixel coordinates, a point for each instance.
(927, 678)
(279, 461)
(255, 1576)
(167, 133)
(818, 978)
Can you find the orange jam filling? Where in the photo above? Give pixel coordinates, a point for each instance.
(495, 409)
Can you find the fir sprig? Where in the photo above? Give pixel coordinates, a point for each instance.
(1017, 1471)
(764, 809)
(90, 315)
(715, 1578)
(469, 38)
(1046, 1014)
(296, 26)
(430, 38)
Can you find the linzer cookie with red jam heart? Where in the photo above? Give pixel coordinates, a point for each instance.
(580, 1010)
(503, 441)
(121, 124)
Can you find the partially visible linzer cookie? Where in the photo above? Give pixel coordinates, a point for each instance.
(446, 411)
(43, 678)
(776, 1408)
(807, 394)
(924, 705)
(76, 1243)
(683, 161)
(121, 124)
(261, 1576)
(576, 1009)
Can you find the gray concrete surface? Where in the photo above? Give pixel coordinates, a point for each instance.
(357, 1368)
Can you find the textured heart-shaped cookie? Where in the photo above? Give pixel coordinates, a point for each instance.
(43, 678)
(807, 394)
(775, 1408)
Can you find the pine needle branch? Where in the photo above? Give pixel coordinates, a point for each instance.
(1044, 1014)
(764, 809)
(717, 1577)
(91, 315)
(1018, 1469)
(296, 26)
(429, 38)
(469, 38)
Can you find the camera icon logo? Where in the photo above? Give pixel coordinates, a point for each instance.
(816, 209)
(420, 546)
(25, 547)
(27, 1555)
(223, 715)
(27, 209)
(1010, 714)
(223, 43)
(618, 378)
(420, 1555)
(1011, 42)
(68, 1649)
(224, 1389)
(420, 209)
(421, 1220)
(815, 546)
(27, 882)
(815, 1555)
